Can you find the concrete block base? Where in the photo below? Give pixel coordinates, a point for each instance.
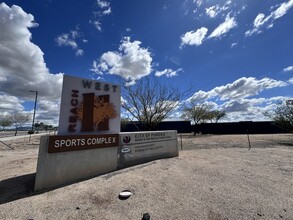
(64, 167)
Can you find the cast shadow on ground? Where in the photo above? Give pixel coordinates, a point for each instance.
(17, 188)
(20, 187)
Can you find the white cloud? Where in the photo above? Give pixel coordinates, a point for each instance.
(22, 68)
(242, 105)
(261, 20)
(103, 9)
(9, 102)
(290, 80)
(276, 99)
(246, 87)
(212, 11)
(251, 109)
(66, 40)
(224, 28)
(131, 62)
(282, 9)
(288, 69)
(197, 37)
(168, 72)
(233, 45)
(105, 6)
(48, 111)
(107, 11)
(236, 105)
(239, 97)
(97, 24)
(69, 40)
(194, 37)
(79, 52)
(198, 2)
(200, 96)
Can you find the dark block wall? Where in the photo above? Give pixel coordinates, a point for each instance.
(259, 127)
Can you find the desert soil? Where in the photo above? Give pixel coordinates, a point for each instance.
(215, 177)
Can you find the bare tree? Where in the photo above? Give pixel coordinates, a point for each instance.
(199, 113)
(217, 115)
(43, 126)
(150, 102)
(19, 119)
(282, 115)
(5, 121)
(47, 127)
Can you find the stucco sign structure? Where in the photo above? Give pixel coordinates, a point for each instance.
(89, 106)
(88, 134)
(89, 141)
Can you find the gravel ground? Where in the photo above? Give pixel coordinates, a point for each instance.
(214, 178)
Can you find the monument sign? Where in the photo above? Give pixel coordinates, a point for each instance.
(89, 141)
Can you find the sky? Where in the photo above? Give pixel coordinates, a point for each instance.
(237, 56)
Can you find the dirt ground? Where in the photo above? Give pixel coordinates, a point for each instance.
(215, 177)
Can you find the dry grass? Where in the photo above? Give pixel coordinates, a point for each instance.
(215, 177)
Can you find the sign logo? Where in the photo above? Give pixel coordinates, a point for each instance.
(125, 150)
(126, 139)
(94, 113)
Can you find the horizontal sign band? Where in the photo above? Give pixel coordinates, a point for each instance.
(146, 137)
(63, 143)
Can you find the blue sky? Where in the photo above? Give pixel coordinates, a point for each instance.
(236, 55)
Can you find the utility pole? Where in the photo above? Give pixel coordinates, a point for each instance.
(36, 98)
